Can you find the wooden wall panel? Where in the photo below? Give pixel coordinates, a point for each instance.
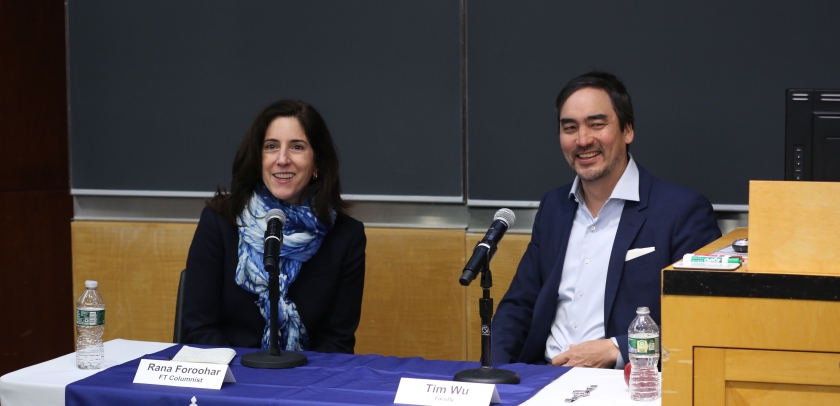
(413, 304)
(35, 277)
(789, 367)
(138, 267)
(689, 322)
(774, 394)
(709, 377)
(502, 267)
(35, 203)
(737, 377)
(794, 227)
(33, 100)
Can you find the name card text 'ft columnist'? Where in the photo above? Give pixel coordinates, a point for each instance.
(184, 374)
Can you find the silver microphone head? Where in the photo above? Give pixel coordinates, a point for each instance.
(506, 215)
(276, 213)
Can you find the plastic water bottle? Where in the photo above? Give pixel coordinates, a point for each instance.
(90, 324)
(643, 337)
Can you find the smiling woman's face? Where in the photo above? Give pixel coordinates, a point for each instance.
(288, 161)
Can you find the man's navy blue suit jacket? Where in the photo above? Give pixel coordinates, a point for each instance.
(669, 217)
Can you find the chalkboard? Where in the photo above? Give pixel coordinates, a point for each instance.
(707, 78)
(161, 92)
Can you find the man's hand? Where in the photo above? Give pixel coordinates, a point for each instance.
(593, 354)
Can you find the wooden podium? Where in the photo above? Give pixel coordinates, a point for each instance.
(767, 333)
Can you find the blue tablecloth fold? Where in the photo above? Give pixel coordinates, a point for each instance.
(327, 380)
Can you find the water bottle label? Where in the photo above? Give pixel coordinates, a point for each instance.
(90, 317)
(643, 346)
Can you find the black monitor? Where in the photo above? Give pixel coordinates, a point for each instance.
(812, 135)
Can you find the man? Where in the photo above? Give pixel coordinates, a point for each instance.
(599, 244)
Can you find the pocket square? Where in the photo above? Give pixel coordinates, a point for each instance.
(635, 253)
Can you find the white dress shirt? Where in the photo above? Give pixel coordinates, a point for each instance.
(580, 302)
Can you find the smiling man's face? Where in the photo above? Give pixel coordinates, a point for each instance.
(593, 142)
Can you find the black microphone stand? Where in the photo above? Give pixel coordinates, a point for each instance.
(486, 374)
(273, 358)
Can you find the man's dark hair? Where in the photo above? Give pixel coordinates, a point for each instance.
(609, 83)
(323, 192)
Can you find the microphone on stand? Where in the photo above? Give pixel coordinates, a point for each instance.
(486, 248)
(273, 358)
(480, 263)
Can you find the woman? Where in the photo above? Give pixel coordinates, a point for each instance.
(286, 161)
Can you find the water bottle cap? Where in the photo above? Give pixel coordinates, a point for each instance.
(91, 284)
(643, 310)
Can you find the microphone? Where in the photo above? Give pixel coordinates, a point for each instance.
(486, 248)
(273, 358)
(275, 219)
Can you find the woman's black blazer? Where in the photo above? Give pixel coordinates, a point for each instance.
(327, 291)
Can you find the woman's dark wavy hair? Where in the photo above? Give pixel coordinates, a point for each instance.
(324, 193)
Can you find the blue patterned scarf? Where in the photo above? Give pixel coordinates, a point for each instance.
(303, 234)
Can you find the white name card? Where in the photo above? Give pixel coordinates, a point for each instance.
(428, 392)
(184, 374)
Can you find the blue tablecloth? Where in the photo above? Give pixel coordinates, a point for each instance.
(327, 379)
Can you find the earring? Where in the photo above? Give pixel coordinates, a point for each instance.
(315, 176)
